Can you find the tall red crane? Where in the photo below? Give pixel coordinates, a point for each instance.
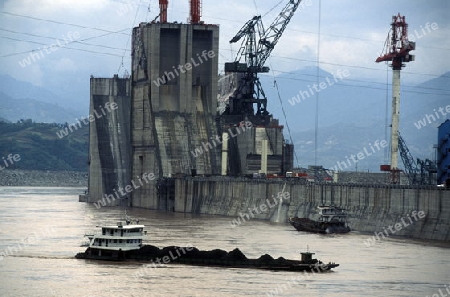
(195, 11)
(396, 51)
(163, 10)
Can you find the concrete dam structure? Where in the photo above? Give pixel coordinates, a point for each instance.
(372, 208)
(161, 141)
(166, 121)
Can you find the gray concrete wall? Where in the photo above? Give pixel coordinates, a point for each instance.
(371, 208)
(171, 119)
(109, 137)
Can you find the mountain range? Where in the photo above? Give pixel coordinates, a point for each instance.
(23, 100)
(353, 114)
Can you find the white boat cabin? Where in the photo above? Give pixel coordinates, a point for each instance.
(120, 237)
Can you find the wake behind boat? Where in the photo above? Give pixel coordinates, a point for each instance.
(332, 219)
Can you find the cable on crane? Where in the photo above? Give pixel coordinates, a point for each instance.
(126, 45)
(284, 115)
(270, 10)
(316, 124)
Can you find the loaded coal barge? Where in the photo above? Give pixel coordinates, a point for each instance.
(124, 242)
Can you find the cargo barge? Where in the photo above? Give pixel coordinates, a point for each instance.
(124, 242)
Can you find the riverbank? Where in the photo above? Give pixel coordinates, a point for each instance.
(46, 178)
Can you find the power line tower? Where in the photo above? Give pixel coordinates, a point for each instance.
(396, 52)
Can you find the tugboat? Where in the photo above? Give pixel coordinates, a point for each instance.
(115, 241)
(332, 220)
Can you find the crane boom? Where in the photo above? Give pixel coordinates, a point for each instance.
(273, 33)
(408, 160)
(256, 47)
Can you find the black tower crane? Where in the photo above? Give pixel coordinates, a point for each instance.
(257, 44)
(419, 172)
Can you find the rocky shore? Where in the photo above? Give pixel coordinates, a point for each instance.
(38, 178)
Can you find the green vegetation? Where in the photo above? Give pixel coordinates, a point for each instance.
(41, 149)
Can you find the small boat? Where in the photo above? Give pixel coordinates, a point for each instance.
(332, 219)
(113, 242)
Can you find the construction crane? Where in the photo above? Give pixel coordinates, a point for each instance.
(256, 46)
(419, 172)
(396, 51)
(195, 11)
(163, 10)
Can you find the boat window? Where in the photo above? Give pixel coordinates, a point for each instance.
(115, 240)
(120, 240)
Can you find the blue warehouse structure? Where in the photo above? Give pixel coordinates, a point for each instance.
(444, 153)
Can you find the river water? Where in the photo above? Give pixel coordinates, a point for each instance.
(41, 230)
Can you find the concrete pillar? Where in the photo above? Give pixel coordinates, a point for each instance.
(395, 117)
(264, 144)
(224, 153)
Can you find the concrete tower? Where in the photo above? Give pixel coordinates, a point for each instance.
(174, 103)
(109, 139)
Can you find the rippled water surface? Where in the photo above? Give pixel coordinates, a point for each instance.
(41, 230)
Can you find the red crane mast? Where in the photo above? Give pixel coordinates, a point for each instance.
(397, 46)
(195, 11)
(163, 10)
(396, 51)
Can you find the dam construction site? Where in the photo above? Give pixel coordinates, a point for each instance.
(175, 135)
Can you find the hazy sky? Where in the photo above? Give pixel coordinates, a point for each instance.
(92, 36)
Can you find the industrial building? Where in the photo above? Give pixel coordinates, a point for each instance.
(178, 136)
(443, 152)
(167, 121)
